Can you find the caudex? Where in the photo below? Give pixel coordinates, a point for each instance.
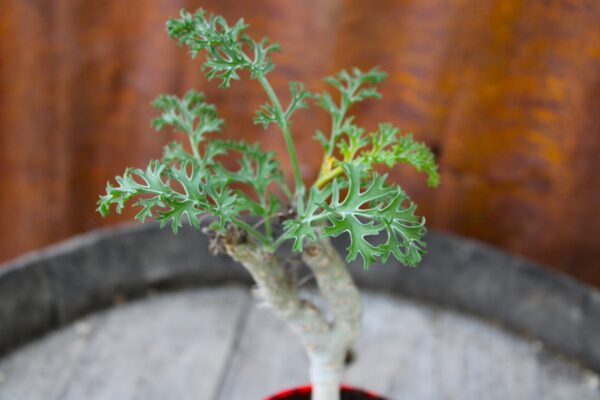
(189, 183)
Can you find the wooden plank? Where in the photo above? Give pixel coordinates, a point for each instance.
(396, 349)
(562, 380)
(484, 360)
(445, 354)
(43, 369)
(216, 344)
(407, 350)
(268, 358)
(166, 347)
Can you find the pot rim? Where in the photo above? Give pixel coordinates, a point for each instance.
(308, 389)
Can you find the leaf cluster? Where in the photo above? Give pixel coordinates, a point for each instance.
(224, 46)
(183, 185)
(353, 87)
(363, 210)
(348, 197)
(268, 112)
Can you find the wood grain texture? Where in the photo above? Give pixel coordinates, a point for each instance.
(216, 344)
(166, 347)
(506, 91)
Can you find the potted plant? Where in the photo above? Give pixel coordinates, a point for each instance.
(250, 211)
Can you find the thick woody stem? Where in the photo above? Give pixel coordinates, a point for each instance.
(326, 342)
(343, 301)
(336, 286)
(277, 290)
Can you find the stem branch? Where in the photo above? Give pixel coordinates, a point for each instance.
(343, 301)
(323, 179)
(285, 129)
(326, 342)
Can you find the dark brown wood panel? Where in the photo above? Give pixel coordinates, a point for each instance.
(506, 91)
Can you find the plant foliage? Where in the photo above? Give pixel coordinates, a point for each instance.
(223, 45)
(363, 210)
(191, 182)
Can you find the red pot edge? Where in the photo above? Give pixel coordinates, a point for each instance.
(308, 388)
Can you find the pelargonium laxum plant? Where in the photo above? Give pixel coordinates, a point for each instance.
(250, 211)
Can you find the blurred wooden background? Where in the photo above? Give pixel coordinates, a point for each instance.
(506, 91)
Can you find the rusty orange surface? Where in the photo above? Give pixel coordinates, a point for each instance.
(506, 91)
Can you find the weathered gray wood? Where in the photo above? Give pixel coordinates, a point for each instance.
(410, 350)
(50, 288)
(269, 358)
(43, 369)
(395, 354)
(166, 347)
(564, 381)
(26, 302)
(215, 344)
(492, 363)
(441, 354)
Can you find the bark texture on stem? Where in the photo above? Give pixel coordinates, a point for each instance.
(327, 342)
(343, 301)
(336, 286)
(278, 291)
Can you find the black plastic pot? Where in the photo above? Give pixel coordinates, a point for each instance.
(303, 393)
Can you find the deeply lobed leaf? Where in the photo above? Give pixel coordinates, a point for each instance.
(353, 87)
(387, 147)
(268, 114)
(223, 45)
(183, 186)
(190, 114)
(364, 211)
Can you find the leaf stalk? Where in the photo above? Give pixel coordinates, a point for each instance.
(287, 135)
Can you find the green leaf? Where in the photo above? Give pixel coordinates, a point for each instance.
(354, 86)
(382, 147)
(320, 137)
(325, 101)
(298, 98)
(258, 170)
(303, 226)
(352, 141)
(222, 44)
(148, 205)
(405, 234)
(388, 148)
(356, 213)
(183, 187)
(156, 196)
(191, 179)
(176, 209)
(189, 114)
(357, 85)
(268, 114)
(363, 211)
(174, 152)
(223, 204)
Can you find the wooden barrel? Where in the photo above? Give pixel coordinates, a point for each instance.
(49, 289)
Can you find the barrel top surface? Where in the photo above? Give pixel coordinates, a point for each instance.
(51, 288)
(215, 343)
